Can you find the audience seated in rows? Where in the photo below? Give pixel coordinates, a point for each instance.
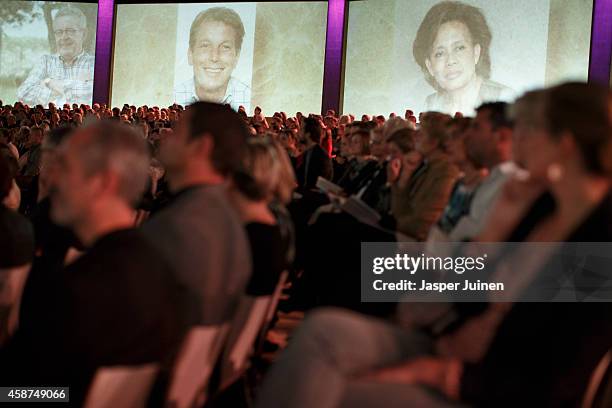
(508, 354)
(122, 228)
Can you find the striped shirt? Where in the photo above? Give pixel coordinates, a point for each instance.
(237, 93)
(77, 79)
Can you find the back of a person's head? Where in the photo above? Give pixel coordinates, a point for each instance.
(403, 139)
(227, 130)
(369, 125)
(243, 114)
(261, 170)
(475, 155)
(56, 136)
(360, 126)
(345, 119)
(457, 129)
(498, 114)
(363, 135)
(395, 124)
(461, 124)
(584, 111)
(312, 129)
(435, 126)
(113, 146)
(287, 181)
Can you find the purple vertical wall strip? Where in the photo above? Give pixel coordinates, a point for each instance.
(334, 55)
(104, 49)
(601, 42)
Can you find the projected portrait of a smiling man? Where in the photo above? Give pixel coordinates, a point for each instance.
(215, 42)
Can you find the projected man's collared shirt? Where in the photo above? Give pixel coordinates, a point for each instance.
(77, 79)
(237, 93)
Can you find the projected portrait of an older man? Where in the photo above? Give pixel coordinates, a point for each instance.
(67, 75)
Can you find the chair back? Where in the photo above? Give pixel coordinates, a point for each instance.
(194, 365)
(121, 386)
(278, 291)
(599, 390)
(246, 326)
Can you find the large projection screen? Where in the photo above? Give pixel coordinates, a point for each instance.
(425, 55)
(251, 54)
(47, 51)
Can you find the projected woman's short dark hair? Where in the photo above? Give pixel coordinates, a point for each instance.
(445, 12)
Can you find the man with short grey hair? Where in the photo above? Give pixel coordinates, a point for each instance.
(67, 76)
(117, 304)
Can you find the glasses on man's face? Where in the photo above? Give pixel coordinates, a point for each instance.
(69, 32)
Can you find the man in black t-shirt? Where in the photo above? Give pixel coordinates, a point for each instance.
(118, 304)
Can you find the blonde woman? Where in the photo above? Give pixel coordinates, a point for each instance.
(265, 182)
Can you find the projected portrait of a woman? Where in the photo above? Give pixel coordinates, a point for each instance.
(452, 49)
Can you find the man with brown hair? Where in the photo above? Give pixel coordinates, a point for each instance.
(215, 42)
(198, 231)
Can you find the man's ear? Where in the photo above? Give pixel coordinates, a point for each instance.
(504, 139)
(104, 183)
(203, 146)
(190, 56)
(567, 144)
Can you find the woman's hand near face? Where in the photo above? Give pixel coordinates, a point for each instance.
(410, 162)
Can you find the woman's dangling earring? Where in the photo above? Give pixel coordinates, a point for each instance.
(554, 172)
